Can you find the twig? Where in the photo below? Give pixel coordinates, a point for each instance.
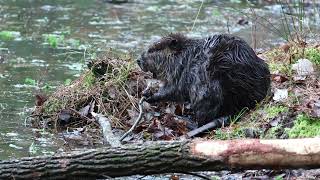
(216, 123)
(194, 22)
(137, 120)
(79, 114)
(254, 30)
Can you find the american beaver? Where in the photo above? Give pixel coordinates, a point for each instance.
(219, 75)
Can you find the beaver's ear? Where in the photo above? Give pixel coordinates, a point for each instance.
(176, 46)
(177, 41)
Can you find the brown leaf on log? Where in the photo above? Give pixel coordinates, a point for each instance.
(279, 78)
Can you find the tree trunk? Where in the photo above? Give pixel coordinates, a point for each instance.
(167, 157)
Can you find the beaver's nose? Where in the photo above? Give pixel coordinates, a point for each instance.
(140, 58)
(139, 61)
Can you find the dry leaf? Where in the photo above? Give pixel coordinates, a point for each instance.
(303, 67)
(279, 78)
(280, 95)
(285, 47)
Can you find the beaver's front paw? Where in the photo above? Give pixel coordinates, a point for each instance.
(147, 93)
(151, 99)
(149, 96)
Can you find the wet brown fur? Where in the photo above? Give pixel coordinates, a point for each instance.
(219, 75)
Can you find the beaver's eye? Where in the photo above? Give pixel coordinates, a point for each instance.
(173, 43)
(151, 50)
(175, 46)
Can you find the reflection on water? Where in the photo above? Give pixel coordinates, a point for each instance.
(52, 39)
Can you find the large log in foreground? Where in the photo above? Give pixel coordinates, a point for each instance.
(167, 157)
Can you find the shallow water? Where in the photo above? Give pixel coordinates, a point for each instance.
(30, 64)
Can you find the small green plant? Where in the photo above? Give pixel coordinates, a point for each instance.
(54, 40)
(30, 82)
(89, 80)
(273, 111)
(279, 177)
(304, 126)
(220, 134)
(47, 87)
(234, 133)
(236, 117)
(215, 178)
(53, 105)
(280, 68)
(67, 82)
(272, 132)
(313, 54)
(8, 35)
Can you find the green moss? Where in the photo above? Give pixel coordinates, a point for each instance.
(215, 178)
(89, 80)
(228, 133)
(304, 126)
(54, 40)
(281, 68)
(273, 111)
(30, 81)
(313, 54)
(8, 35)
(53, 105)
(67, 82)
(272, 133)
(279, 177)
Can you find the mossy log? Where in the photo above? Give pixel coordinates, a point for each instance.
(167, 157)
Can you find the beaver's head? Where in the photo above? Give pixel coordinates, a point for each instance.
(162, 54)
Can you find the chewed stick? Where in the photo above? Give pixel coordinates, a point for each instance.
(137, 120)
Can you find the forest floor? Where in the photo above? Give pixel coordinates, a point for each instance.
(112, 86)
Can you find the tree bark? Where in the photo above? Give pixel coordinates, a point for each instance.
(167, 157)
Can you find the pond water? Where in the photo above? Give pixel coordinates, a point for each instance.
(44, 44)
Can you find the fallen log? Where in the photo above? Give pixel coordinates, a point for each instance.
(168, 157)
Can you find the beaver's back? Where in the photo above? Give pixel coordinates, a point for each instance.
(244, 77)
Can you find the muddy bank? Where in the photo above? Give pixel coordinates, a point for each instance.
(112, 86)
